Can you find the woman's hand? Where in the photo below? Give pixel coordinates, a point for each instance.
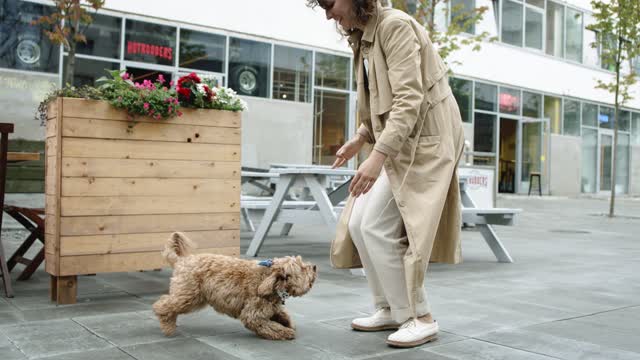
(367, 174)
(348, 150)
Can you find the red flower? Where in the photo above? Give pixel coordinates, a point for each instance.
(185, 92)
(195, 78)
(208, 92)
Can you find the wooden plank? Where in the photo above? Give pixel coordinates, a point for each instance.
(52, 127)
(141, 205)
(50, 228)
(136, 243)
(132, 224)
(147, 187)
(26, 172)
(107, 129)
(50, 263)
(50, 205)
(134, 149)
(51, 146)
(92, 109)
(92, 264)
(52, 110)
(24, 186)
(22, 156)
(63, 290)
(134, 168)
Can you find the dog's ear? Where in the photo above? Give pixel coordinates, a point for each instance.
(269, 284)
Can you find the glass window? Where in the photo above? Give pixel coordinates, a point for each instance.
(139, 75)
(484, 133)
(605, 119)
(625, 120)
(249, 67)
(486, 97)
(533, 30)
(636, 128)
(462, 92)
(512, 23)
(589, 166)
(461, 12)
(589, 115)
(622, 164)
(607, 60)
(591, 54)
(202, 51)
(332, 71)
(331, 113)
(103, 37)
(572, 117)
(555, 26)
(509, 101)
(532, 105)
(574, 28)
(292, 74)
(553, 111)
(538, 3)
(22, 45)
(150, 43)
(87, 71)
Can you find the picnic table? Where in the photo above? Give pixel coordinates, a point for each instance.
(290, 212)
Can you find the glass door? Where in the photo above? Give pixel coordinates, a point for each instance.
(606, 159)
(534, 154)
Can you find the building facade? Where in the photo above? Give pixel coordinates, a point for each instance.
(528, 100)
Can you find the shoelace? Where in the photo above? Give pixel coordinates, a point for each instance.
(408, 324)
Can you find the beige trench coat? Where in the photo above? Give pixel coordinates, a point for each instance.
(409, 113)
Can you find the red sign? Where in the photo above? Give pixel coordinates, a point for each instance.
(134, 47)
(477, 181)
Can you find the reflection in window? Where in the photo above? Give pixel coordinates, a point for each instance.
(486, 97)
(589, 115)
(605, 118)
(509, 101)
(572, 117)
(555, 26)
(622, 164)
(461, 12)
(103, 37)
(553, 111)
(533, 28)
(512, 23)
(292, 74)
(150, 43)
(332, 71)
(589, 166)
(484, 138)
(202, 51)
(22, 45)
(140, 75)
(331, 111)
(532, 105)
(625, 119)
(462, 92)
(636, 128)
(87, 71)
(574, 35)
(249, 65)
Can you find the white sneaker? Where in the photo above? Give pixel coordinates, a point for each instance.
(379, 321)
(413, 333)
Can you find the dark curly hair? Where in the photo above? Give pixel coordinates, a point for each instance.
(362, 9)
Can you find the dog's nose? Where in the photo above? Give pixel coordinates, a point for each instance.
(315, 268)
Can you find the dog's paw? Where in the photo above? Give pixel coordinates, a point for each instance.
(287, 334)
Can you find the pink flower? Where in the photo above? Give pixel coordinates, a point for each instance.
(146, 106)
(125, 76)
(171, 83)
(157, 117)
(179, 113)
(161, 79)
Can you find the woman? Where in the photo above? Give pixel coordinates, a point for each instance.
(407, 201)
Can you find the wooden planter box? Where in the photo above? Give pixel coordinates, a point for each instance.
(114, 195)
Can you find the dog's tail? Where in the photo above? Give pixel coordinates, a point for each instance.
(177, 246)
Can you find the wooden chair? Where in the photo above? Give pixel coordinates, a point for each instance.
(33, 221)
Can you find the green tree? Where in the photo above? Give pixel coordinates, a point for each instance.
(617, 23)
(66, 26)
(451, 39)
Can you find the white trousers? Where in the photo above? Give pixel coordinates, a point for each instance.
(377, 231)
